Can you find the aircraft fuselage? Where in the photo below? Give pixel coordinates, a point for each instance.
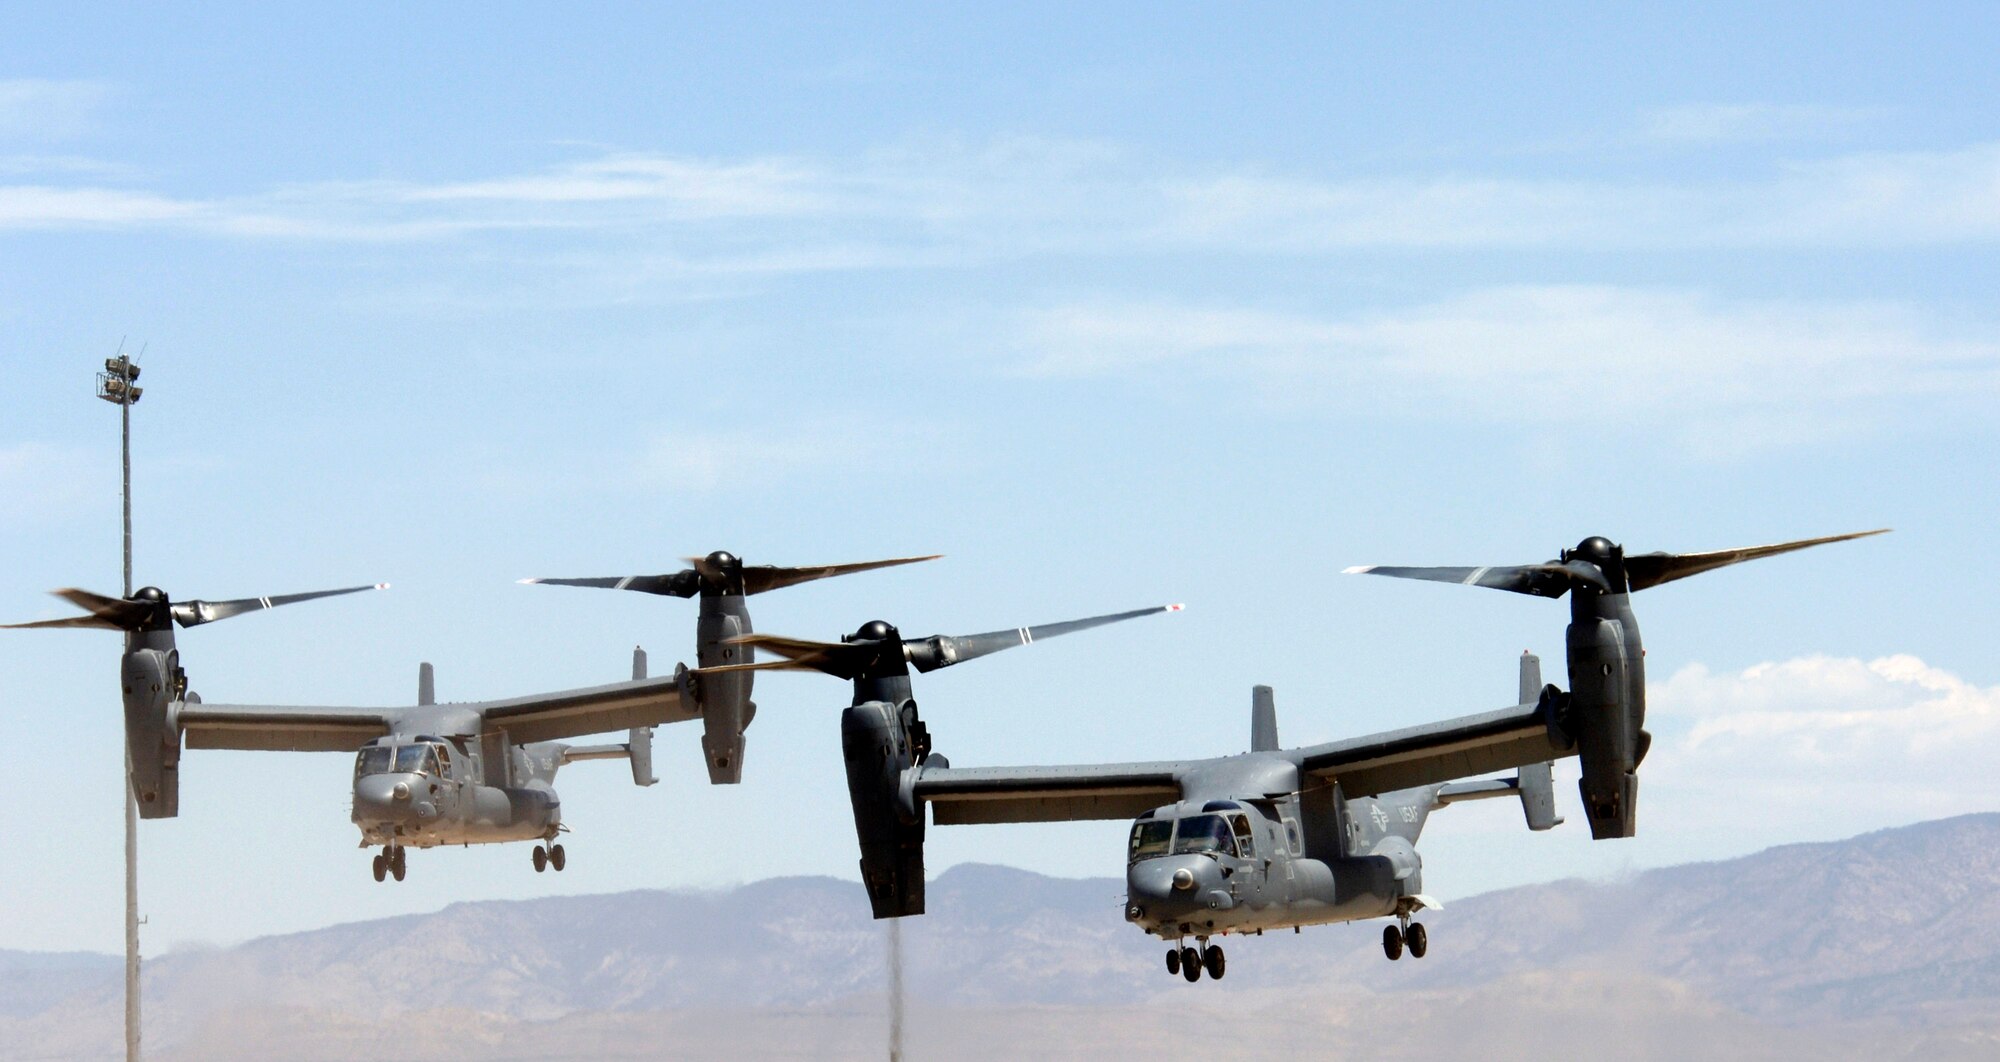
(1204, 867)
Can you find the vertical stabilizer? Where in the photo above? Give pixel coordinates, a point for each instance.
(426, 684)
(1538, 795)
(1531, 678)
(639, 742)
(1263, 720)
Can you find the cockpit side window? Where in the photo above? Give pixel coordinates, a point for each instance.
(1240, 823)
(1149, 839)
(1204, 833)
(444, 761)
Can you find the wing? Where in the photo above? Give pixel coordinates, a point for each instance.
(280, 728)
(596, 710)
(537, 717)
(1436, 752)
(961, 796)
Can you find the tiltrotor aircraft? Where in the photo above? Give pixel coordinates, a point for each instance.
(722, 581)
(434, 774)
(1275, 838)
(426, 775)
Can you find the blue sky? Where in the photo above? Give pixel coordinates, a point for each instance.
(1113, 308)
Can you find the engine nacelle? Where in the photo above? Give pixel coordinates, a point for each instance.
(152, 681)
(879, 741)
(1606, 710)
(723, 697)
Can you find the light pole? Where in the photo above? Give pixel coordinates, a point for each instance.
(118, 384)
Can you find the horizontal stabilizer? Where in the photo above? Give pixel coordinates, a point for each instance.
(1535, 785)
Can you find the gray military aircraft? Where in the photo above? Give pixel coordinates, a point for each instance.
(425, 775)
(722, 581)
(1275, 838)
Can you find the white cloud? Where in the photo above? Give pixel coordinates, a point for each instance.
(37, 206)
(1728, 375)
(1853, 740)
(759, 187)
(1878, 199)
(1834, 710)
(1015, 197)
(1709, 123)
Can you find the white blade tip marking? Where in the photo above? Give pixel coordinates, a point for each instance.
(1359, 569)
(527, 582)
(1175, 608)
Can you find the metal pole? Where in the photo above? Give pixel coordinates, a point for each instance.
(131, 799)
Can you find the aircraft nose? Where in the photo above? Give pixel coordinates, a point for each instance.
(382, 797)
(1164, 888)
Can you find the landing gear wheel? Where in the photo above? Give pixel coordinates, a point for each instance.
(1211, 958)
(381, 866)
(1418, 940)
(1191, 964)
(1173, 961)
(541, 859)
(556, 857)
(397, 864)
(1392, 942)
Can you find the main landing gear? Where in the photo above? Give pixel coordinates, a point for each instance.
(552, 856)
(1411, 935)
(390, 861)
(1189, 962)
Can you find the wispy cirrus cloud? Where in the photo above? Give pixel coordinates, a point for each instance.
(45, 109)
(1715, 123)
(1727, 375)
(1021, 196)
(44, 206)
(1885, 199)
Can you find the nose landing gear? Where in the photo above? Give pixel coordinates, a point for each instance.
(390, 861)
(552, 856)
(1190, 961)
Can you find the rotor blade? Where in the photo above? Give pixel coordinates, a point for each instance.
(764, 577)
(1541, 580)
(1652, 569)
(195, 613)
(121, 613)
(108, 613)
(765, 665)
(677, 584)
(73, 621)
(943, 650)
(840, 659)
(98, 604)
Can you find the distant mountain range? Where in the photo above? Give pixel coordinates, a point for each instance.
(1882, 946)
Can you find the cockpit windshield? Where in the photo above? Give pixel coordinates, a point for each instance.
(1204, 833)
(412, 758)
(1150, 839)
(397, 759)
